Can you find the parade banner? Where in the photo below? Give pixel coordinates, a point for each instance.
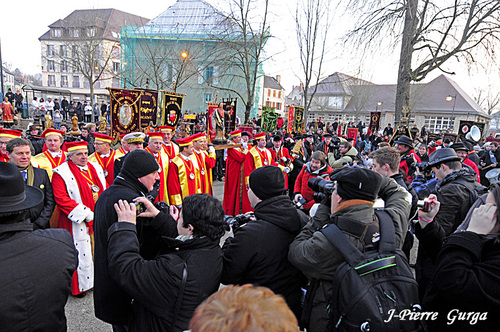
(291, 113)
(247, 128)
(352, 133)
(464, 128)
(172, 108)
(148, 107)
(229, 107)
(125, 111)
(214, 115)
(339, 130)
(374, 122)
(452, 137)
(269, 119)
(481, 126)
(298, 119)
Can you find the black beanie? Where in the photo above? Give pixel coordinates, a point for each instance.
(267, 182)
(139, 163)
(357, 183)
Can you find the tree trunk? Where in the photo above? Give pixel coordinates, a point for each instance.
(248, 109)
(404, 73)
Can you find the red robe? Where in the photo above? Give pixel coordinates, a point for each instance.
(234, 184)
(163, 161)
(283, 152)
(473, 165)
(74, 197)
(210, 162)
(180, 181)
(405, 167)
(171, 150)
(3, 157)
(253, 160)
(8, 112)
(107, 164)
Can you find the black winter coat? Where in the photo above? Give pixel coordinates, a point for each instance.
(112, 304)
(36, 269)
(40, 215)
(258, 253)
(155, 284)
(466, 279)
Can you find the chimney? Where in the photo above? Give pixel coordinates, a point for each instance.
(301, 87)
(278, 78)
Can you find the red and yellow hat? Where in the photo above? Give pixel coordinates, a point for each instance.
(10, 133)
(122, 136)
(198, 136)
(155, 135)
(260, 135)
(51, 131)
(166, 128)
(72, 146)
(103, 138)
(235, 133)
(184, 141)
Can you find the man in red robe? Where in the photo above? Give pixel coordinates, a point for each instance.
(182, 180)
(53, 156)
(258, 156)
(5, 136)
(77, 184)
(104, 155)
(463, 152)
(234, 185)
(170, 148)
(281, 157)
(205, 162)
(155, 148)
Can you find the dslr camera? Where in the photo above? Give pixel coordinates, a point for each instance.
(239, 220)
(322, 188)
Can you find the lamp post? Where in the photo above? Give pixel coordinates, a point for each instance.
(452, 123)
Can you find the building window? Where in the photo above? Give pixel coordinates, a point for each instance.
(56, 33)
(335, 102)
(274, 93)
(51, 65)
(64, 66)
(209, 74)
(268, 103)
(278, 106)
(75, 67)
(269, 92)
(52, 80)
(64, 81)
(116, 67)
(76, 81)
(279, 94)
(74, 51)
(208, 97)
(90, 32)
(50, 51)
(63, 51)
(116, 82)
(169, 73)
(436, 123)
(86, 83)
(75, 33)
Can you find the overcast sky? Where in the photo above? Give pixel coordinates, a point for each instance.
(21, 27)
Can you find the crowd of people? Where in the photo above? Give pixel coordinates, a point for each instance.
(137, 223)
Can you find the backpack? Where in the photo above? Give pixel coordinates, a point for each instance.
(370, 289)
(474, 193)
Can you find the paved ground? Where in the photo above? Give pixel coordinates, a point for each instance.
(80, 312)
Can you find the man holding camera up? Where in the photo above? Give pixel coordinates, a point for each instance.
(137, 177)
(348, 154)
(303, 194)
(258, 252)
(351, 200)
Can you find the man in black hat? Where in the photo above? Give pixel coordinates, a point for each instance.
(352, 201)
(348, 154)
(135, 180)
(36, 266)
(463, 152)
(455, 192)
(404, 145)
(257, 254)
(326, 145)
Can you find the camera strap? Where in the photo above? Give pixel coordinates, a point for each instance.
(361, 230)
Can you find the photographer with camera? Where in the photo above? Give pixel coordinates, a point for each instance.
(457, 191)
(349, 206)
(303, 194)
(257, 254)
(348, 154)
(137, 177)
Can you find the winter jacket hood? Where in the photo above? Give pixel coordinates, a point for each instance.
(288, 218)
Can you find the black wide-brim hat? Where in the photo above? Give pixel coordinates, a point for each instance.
(441, 156)
(459, 146)
(15, 194)
(404, 140)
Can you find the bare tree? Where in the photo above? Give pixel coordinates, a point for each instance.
(312, 24)
(242, 45)
(431, 33)
(488, 99)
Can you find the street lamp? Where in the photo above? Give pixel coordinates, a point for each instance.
(184, 54)
(450, 98)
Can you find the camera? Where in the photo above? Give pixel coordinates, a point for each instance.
(301, 202)
(421, 166)
(239, 220)
(321, 185)
(424, 205)
(140, 208)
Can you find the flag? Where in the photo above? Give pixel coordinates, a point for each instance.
(298, 119)
(291, 113)
(269, 119)
(125, 111)
(172, 108)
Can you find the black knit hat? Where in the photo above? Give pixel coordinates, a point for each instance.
(139, 163)
(267, 182)
(357, 183)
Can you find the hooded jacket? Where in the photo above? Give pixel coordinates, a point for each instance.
(258, 252)
(348, 157)
(301, 184)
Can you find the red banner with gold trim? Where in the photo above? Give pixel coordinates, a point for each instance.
(291, 114)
